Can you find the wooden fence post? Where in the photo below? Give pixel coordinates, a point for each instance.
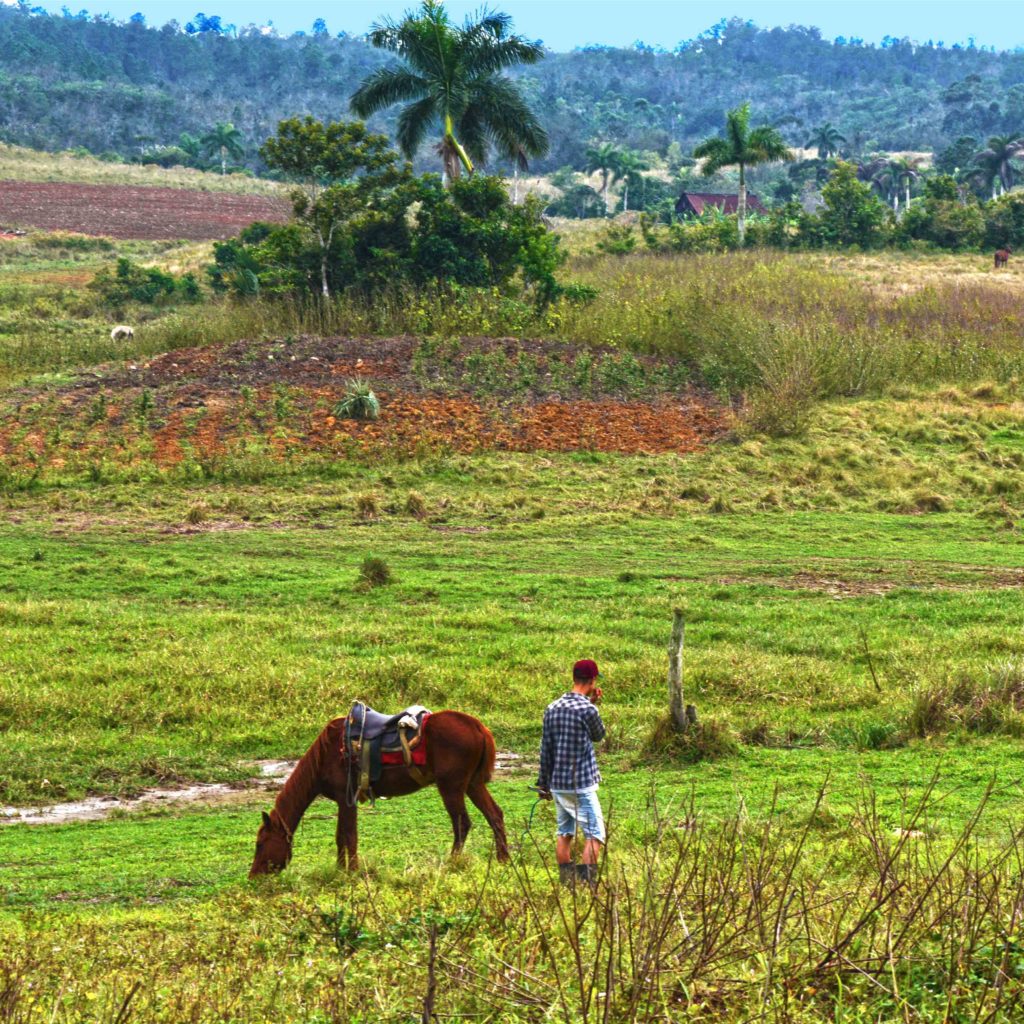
(677, 708)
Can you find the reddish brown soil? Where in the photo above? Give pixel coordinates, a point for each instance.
(208, 404)
(128, 211)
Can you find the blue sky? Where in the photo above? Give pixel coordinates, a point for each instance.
(565, 24)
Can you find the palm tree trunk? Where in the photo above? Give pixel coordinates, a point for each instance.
(906, 199)
(515, 185)
(625, 198)
(741, 207)
(223, 160)
(604, 190)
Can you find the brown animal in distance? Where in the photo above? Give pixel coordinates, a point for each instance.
(1002, 257)
(460, 755)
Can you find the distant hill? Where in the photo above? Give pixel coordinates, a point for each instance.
(124, 88)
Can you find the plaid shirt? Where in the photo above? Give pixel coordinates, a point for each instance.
(571, 727)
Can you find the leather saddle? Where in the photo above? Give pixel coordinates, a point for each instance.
(369, 734)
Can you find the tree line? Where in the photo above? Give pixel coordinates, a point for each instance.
(133, 90)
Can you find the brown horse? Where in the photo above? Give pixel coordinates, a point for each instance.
(460, 759)
(1002, 257)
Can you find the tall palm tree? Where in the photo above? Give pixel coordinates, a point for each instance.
(225, 139)
(742, 147)
(451, 78)
(627, 170)
(604, 159)
(995, 163)
(826, 139)
(884, 179)
(905, 172)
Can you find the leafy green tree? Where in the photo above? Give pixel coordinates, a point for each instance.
(471, 234)
(995, 163)
(225, 139)
(603, 159)
(1004, 221)
(826, 139)
(451, 78)
(742, 147)
(958, 157)
(343, 173)
(944, 218)
(578, 200)
(853, 214)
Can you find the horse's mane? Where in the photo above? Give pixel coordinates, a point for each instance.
(300, 787)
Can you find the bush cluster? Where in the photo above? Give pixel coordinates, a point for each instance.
(128, 282)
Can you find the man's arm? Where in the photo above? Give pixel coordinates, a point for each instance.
(547, 755)
(595, 726)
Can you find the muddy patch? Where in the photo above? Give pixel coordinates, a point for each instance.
(270, 775)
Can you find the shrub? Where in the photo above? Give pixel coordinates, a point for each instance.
(374, 572)
(196, 514)
(416, 506)
(707, 740)
(989, 705)
(366, 507)
(359, 402)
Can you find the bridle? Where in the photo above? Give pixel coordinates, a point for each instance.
(289, 833)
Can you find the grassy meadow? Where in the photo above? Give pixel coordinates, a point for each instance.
(839, 839)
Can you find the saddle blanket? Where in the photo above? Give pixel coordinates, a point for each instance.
(419, 755)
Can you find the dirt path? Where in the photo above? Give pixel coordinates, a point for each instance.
(97, 808)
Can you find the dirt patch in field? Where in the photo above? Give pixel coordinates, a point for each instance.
(278, 400)
(127, 211)
(269, 777)
(971, 577)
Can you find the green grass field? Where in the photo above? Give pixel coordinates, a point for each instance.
(840, 840)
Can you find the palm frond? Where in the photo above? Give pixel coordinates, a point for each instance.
(506, 119)
(386, 86)
(766, 145)
(483, 54)
(737, 126)
(716, 154)
(414, 122)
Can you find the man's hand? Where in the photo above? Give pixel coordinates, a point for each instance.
(595, 695)
(544, 794)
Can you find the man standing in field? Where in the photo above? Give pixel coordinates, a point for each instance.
(568, 771)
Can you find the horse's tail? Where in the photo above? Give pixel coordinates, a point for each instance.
(485, 769)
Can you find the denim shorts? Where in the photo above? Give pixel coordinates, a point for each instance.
(579, 809)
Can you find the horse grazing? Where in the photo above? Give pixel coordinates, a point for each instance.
(460, 757)
(1002, 257)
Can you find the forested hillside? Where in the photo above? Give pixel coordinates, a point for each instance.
(68, 81)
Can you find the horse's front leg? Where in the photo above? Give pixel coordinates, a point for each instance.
(347, 835)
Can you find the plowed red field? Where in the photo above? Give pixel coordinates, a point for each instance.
(128, 211)
(212, 403)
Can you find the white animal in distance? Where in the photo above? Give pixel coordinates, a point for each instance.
(122, 333)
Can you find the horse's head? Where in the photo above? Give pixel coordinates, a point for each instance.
(273, 846)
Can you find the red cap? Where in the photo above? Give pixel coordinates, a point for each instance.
(585, 670)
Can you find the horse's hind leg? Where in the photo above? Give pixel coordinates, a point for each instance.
(485, 803)
(455, 805)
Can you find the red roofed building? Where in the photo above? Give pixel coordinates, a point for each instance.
(693, 204)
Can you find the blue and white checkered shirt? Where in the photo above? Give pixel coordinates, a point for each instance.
(572, 725)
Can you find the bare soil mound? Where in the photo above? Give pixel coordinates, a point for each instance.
(125, 211)
(278, 399)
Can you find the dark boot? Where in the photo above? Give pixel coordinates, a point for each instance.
(586, 874)
(567, 874)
